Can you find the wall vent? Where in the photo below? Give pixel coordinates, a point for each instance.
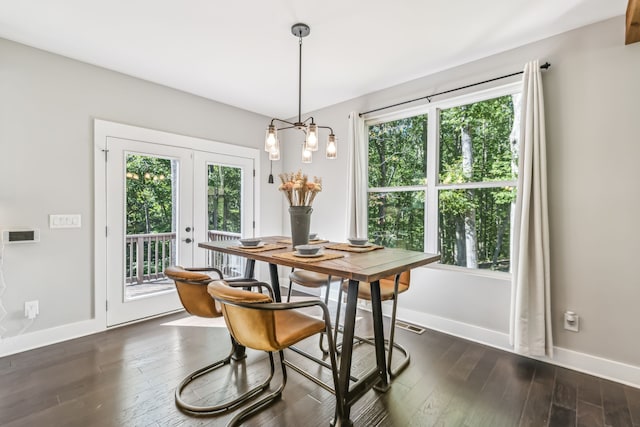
(409, 327)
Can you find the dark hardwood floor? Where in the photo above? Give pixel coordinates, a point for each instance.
(126, 377)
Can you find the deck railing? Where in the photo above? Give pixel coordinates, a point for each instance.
(230, 265)
(147, 255)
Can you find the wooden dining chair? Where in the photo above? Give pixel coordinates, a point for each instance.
(311, 279)
(390, 288)
(191, 285)
(256, 322)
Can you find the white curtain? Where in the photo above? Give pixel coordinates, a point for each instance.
(530, 292)
(356, 178)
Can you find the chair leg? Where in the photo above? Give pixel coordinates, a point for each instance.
(337, 323)
(326, 302)
(390, 343)
(220, 407)
(267, 400)
(290, 288)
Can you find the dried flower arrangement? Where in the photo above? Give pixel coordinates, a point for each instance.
(298, 189)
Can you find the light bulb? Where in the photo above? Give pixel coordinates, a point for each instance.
(312, 138)
(274, 154)
(271, 138)
(332, 147)
(306, 155)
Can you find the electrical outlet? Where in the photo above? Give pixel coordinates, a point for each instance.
(31, 309)
(571, 321)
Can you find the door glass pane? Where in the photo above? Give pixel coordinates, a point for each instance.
(224, 213)
(150, 242)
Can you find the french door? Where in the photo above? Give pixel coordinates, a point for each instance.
(161, 201)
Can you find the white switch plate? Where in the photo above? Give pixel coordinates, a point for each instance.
(65, 221)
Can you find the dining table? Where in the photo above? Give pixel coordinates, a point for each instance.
(367, 264)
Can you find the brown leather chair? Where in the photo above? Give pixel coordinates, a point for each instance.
(191, 284)
(390, 288)
(256, 322)
(311, 279)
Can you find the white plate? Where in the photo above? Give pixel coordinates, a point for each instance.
(366, 245)
(259, 245)
(317, 254)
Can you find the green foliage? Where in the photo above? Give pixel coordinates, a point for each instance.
(397, 152)
(224, 198)
(149, 194)
(487, 127)
(397, 157)
(150, 198)
(475, 147)
(488, 124)
(397, 219)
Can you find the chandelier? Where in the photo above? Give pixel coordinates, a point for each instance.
(308, 126)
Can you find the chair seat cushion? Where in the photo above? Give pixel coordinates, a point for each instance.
(293, 326)
(310, 279)
(386, 289)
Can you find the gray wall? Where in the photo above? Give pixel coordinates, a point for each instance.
(47, 107)
(47, 104)
(592, 94)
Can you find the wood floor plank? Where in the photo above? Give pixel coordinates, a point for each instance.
(565, 392)
(468, 391)
(538, 403)
(633, 402)
(589, 415)
(589, 389)
(614, 403)
(488, 409)
(561, 416)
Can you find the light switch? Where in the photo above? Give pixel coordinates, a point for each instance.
(65, 221)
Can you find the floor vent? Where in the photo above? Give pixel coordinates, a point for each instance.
(409, 327)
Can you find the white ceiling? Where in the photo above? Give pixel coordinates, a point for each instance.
(242, 53)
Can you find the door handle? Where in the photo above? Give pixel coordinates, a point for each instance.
(188, 229)
(187, 240)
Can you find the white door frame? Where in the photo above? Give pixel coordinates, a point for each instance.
(104, 129)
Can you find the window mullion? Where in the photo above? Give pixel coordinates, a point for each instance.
(431, 199)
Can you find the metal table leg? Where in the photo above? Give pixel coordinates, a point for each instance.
(377, 378)
(275, 282)
(343, 409)
(249, 268)
(378, 332)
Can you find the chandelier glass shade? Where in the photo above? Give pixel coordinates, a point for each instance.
(308, 126)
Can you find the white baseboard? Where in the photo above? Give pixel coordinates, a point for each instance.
(29, 341)
(582, 362)
(595, 365)
(459, 329)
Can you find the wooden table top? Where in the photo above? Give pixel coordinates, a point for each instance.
(364, 267)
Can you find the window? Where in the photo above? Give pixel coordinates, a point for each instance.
(444, 180)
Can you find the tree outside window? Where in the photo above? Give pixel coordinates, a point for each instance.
(475, 185)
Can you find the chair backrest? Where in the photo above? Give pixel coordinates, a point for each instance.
(192, 290)
(403, 284)
(252, 327)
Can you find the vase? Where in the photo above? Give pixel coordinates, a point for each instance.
(300, 220)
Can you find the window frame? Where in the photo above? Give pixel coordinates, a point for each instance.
(432, 187)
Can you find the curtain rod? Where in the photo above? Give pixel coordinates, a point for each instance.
(544, 66)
